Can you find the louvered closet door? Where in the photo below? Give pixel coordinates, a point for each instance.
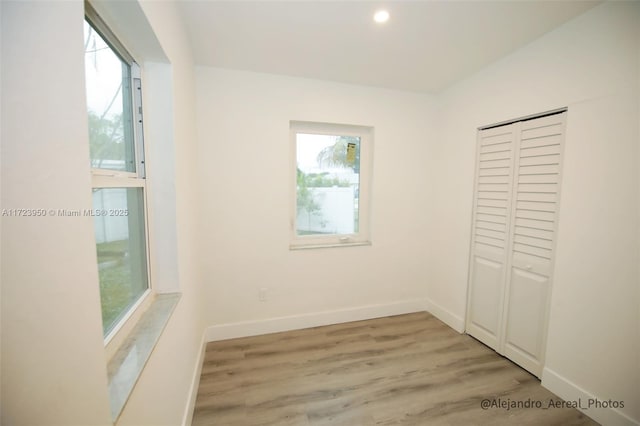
(533, 230)
(490, 234)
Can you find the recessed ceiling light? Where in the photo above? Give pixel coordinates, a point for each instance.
(381, 16)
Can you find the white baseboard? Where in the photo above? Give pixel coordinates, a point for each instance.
(569, 391)
(187, 418)
(296, 322)
(446, 316)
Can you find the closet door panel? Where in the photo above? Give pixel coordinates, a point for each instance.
(489, 247)
(526, 319)
(486, 299)
(532, 245)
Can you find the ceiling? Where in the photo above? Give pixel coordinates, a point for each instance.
(426, 46)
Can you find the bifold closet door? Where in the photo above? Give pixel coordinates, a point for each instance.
(513, 239)
(490, 239)
(535, 211)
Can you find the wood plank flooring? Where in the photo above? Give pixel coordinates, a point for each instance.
(401, 370)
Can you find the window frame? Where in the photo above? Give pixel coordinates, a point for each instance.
(362, 236)
(108, 178)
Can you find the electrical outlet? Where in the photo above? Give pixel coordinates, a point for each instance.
(262, 294)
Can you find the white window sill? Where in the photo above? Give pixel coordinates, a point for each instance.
(126, 366)
(329, 245)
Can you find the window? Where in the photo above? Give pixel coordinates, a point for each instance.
(118, 174)
(332, 184)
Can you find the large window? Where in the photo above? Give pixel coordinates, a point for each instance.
(117, 163)
(332, 185)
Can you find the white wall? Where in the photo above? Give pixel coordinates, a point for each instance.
(589, 65)
(243, 135)
(53, 357)
(53, 366)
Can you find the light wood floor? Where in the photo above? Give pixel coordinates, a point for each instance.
(402, 370)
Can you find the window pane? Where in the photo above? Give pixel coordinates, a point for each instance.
(328, 183)
(108, 80)
(122, 260)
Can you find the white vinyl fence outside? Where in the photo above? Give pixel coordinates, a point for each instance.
(111, 228)
(336, 213)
